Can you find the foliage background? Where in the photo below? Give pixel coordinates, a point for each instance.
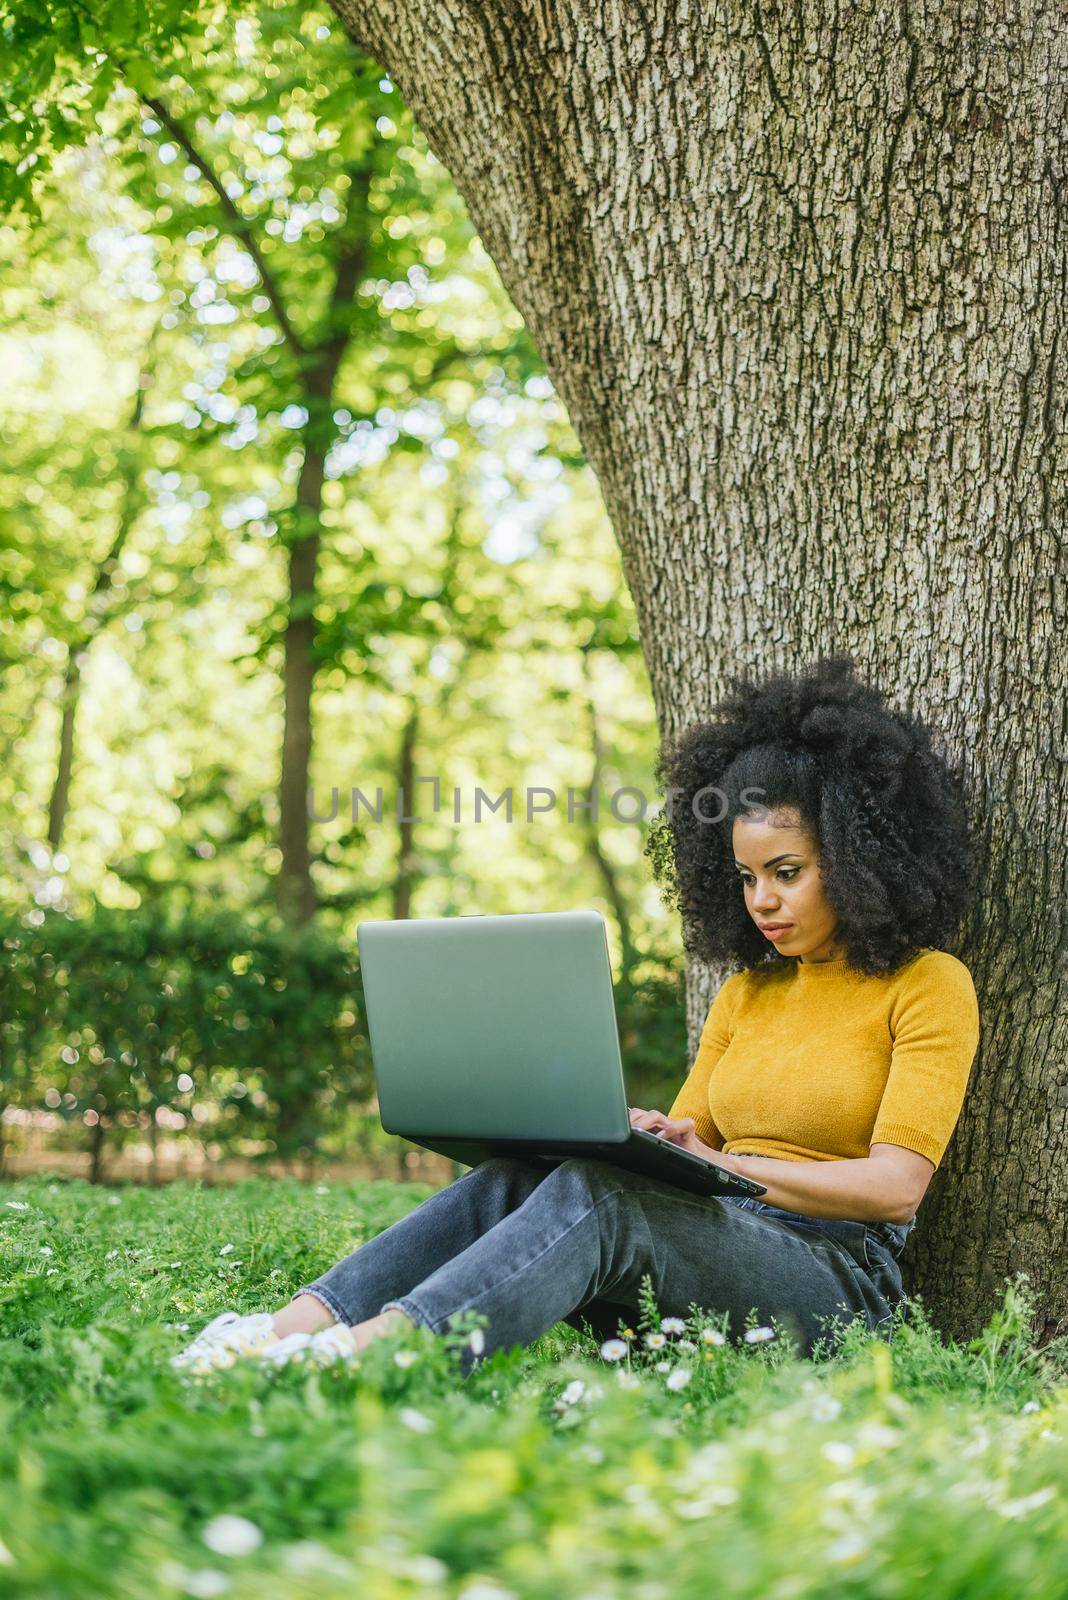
(211, 211)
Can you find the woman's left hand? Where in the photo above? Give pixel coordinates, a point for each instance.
(677, 1130)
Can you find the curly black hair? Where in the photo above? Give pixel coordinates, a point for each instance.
(896, 856)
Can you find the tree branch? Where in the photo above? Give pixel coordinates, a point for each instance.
(239, 225)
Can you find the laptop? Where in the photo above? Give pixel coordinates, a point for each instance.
(496, 1036)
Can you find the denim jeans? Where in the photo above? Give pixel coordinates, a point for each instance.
(530, 1246)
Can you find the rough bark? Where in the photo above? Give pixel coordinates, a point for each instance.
(798, 274)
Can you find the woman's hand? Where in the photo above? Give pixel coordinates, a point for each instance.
(677, 1130)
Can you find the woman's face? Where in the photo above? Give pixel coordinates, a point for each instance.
(777, 862)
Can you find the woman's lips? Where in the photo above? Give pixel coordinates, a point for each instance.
(776, 932)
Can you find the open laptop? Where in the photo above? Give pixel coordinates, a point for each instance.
(496, 1035)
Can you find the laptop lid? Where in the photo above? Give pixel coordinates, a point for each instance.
(494, 1026)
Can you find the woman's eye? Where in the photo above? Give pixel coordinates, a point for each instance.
(790, 874)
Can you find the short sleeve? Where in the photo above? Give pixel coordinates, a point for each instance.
(692, 1098)
(934, 1026)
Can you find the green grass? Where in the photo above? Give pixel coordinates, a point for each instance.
(916, 1468)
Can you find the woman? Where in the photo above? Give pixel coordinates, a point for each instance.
(816, 842)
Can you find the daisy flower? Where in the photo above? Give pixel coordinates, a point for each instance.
(614, 1349)
(825, 1408)
(415, 1420)
(672, 1325)
(712, 1336)
(758, 1335)
(232, 1536)
(656, 1341)
(679, 1378)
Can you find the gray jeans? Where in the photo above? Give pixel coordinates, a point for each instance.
(530, 1246)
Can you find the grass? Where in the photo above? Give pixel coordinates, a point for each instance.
(915, 1468)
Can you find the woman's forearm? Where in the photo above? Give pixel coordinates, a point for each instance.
(852, 1189)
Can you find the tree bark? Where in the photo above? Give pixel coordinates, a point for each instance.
(799, 275)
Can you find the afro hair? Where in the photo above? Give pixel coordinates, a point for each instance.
(896, 858)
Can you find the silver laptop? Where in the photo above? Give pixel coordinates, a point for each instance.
(496, 1035)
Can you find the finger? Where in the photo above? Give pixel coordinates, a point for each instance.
(652, 1122)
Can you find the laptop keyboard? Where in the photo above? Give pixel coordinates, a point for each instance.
(644, 1133)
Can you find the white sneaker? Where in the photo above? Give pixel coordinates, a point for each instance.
(332, 1345)
(225, 1338)
(283, 1351)
(323, 1349)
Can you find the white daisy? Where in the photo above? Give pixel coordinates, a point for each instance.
(614, 1349)
(758, 1335)
(655, 1341)
(415, 1420)
(712, 1336)
(205, 1583)
(573, 1392)
(404, 1358)
(825, 1408)
(477, 1341)
(672, 1325)
(232, 1536)
(679, 1378)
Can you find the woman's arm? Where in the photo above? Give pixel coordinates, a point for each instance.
(885, 1186)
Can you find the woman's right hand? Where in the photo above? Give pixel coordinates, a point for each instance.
(676, 1130)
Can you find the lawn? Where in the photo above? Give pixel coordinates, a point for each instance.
(916, 1468)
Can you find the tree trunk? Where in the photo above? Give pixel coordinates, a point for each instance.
(97, 613)
(406, 858)
(799, 277)
(296, 891)
(595, 849)
(96, 1152)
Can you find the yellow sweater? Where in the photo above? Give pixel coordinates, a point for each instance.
(814, 1062)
